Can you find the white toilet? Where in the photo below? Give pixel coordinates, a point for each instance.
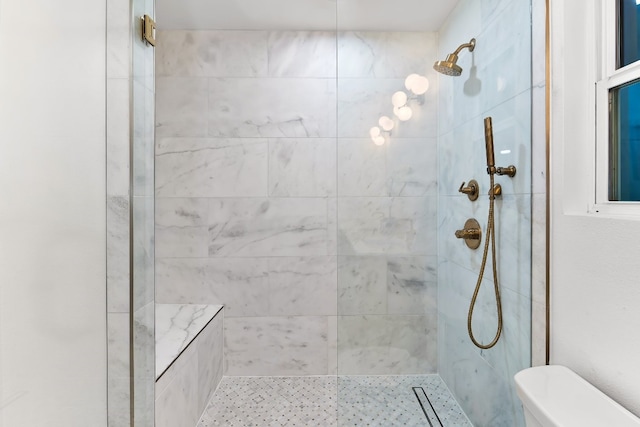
(555, 396)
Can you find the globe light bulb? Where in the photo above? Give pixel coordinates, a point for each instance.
(379, 140)
(410, 81)
(420, 85)
(399, 99)
(374, 132)
(416, 83)
(403, 113)
(386, 123)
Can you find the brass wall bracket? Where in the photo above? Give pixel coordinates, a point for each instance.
(148, 30)
(472, 190)
(510, 171)
(471, 233)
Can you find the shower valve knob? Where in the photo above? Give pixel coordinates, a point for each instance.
(471, 233)
(472, 190)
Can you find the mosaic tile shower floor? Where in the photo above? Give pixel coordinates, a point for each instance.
(384, 401)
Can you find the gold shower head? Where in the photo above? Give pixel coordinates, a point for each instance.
(448, 66)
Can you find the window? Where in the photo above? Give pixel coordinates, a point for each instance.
(618, 108)
(628, 32)
(624, 143)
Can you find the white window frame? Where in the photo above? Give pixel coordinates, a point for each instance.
(610, 77)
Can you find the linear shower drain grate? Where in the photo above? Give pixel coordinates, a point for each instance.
(427, 407)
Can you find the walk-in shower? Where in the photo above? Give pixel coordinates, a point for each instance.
(345, 291)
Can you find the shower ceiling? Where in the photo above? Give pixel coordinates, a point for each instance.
(363, 15)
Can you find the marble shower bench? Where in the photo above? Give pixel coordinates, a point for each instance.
(189, 346)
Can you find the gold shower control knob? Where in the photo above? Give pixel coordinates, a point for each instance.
(472, 190)
(471, 233)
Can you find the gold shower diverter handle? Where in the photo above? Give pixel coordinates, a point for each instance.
(472, 190)
(471, 233)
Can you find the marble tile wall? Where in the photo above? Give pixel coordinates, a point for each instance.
(497, 82)
(118, 212)
(273, 200)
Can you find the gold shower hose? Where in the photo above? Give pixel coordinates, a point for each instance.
(490, 234)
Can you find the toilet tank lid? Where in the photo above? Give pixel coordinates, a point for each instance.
(557, 396)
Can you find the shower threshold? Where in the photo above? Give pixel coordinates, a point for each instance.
(330, 401)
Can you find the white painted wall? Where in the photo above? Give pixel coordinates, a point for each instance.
(595, 271)
(52, 213)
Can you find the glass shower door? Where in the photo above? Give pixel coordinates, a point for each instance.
(142, 222)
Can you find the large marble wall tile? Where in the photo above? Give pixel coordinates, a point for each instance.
(118, 138)
(538, 334)
(247, 107)
(118, 254)
(177, 405)
(210, 360)
(361, 102)
(143, 256)
(362, 168)
(499, 68)
(211, 53)
(361, 54)
(302, 167)
(513, 232)
(118, 393)
(512, 142)
(512, 353)
(384, 345)
(206, 167)
(403, 167)
(513, 237)
(404, 225)
(182, 105)
(462, 163)
(143, 161)
(538, 42)
(387, 285)
(332, 338)
(241, 284)
(385, 55)
(505, 56)
(143, 362)
(276, 346)
(302, 54)
(118, 40)
(538, 280)
(410, 52)
(482, 393)
(362, 285)
(538, 140)
(332, 226)
(412, 285)
(302, 286)
(412, 167)
(262, 227)
(538, 248)
(181, 227)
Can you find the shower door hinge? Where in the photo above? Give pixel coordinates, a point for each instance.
(148, 30)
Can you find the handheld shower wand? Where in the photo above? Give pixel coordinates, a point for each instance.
(488, 142)
(491, 161)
